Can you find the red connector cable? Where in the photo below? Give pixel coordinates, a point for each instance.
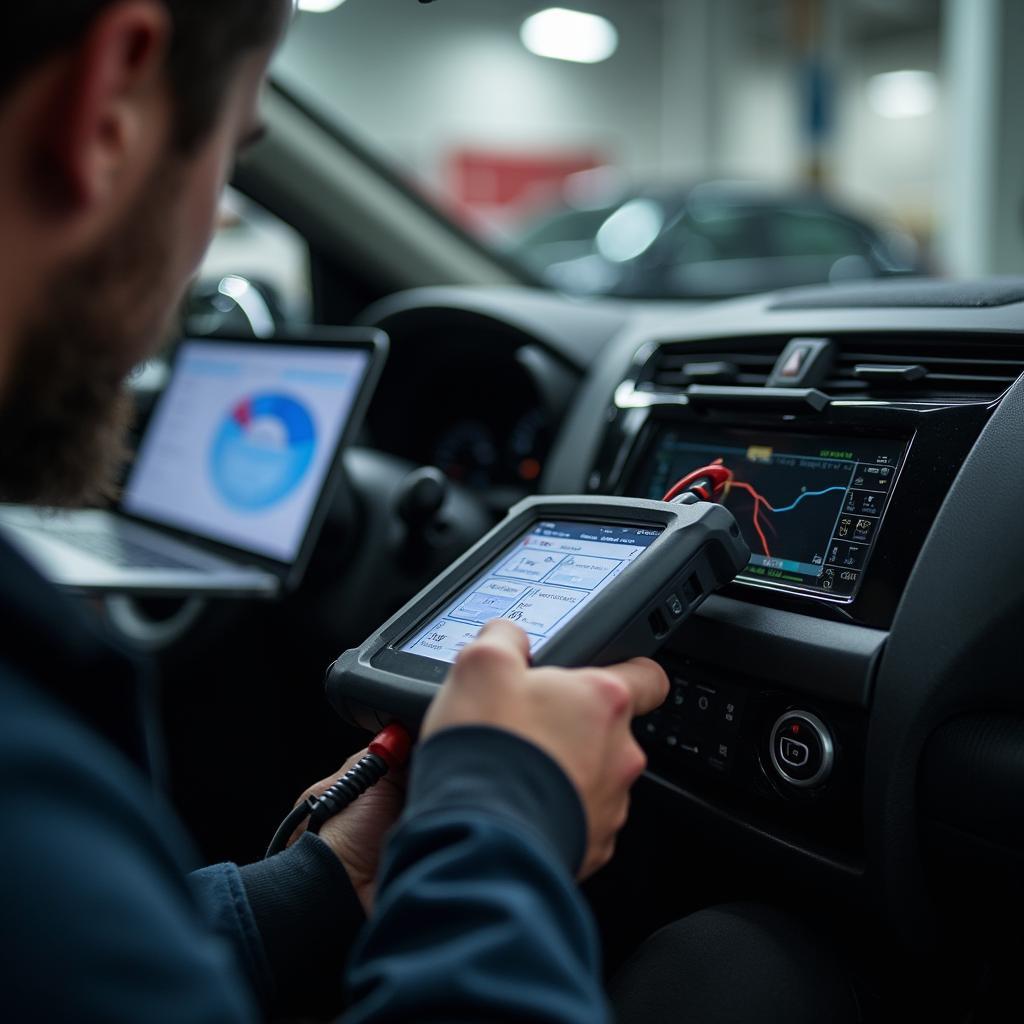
(713, 483)
(709, 483)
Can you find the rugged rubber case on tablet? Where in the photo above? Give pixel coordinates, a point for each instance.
(699, 550)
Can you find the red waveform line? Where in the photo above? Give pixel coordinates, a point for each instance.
(759, 499)
(730, 481)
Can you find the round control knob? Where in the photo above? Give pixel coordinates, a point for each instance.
(420, 497)
(801, 749)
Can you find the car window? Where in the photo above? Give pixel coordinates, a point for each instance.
(717, 234)
(565, 226)
(533, 126)
(796, 233)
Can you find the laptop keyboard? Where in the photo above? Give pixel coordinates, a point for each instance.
(125, 554)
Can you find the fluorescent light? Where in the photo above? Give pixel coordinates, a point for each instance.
(570, 35)
(319, 6)
(903, 94)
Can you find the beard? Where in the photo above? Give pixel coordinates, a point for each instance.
(66, 410)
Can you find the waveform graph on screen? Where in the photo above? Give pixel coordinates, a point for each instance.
(809, 507)
(262, 451)
(788, 503)
(786, 510)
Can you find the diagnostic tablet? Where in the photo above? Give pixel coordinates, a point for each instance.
(591, 580)
(541, 583)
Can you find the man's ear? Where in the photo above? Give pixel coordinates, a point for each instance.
(113, 111)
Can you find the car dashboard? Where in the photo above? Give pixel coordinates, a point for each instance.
(874, 624)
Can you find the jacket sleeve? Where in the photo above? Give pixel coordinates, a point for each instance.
(98, 922)
(291, 919)
(478, 917)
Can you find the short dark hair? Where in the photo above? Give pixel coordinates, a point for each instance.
(210, 37)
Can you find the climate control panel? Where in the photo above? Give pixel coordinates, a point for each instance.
(722, 732)
(697, 727)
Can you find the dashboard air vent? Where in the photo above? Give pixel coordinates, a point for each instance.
(902, 367)
(674, 367)
(906, 367)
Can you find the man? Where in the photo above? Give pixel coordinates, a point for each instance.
(119, 122)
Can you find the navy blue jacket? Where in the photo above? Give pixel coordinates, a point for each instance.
(477, 916)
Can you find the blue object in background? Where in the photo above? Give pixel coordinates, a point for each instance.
(818, 100)
(262, 451)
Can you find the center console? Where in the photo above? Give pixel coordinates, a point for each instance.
(834, 487)
(840, 736)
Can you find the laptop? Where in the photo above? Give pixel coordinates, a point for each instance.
(233, 476)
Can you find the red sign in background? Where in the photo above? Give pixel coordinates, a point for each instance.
(505, 186)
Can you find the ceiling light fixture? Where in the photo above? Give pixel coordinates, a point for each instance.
(319, 6)
(562, 34)
(903, 94)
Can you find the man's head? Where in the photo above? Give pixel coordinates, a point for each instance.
(119, 123)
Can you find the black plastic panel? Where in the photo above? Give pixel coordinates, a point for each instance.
(832, 660)
(973, 779)
(954, 648)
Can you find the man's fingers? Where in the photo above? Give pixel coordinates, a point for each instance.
(502, 634)
(321, 787)
(646, 681)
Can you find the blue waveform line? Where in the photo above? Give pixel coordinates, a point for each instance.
(807, 494)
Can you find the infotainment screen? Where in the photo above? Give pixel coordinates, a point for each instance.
(540, 583)
(809, 508)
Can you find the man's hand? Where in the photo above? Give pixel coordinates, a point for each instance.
(357, 834)
(580, 717)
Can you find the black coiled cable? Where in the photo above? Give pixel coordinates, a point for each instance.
(369, 770)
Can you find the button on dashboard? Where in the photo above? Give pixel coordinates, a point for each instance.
(801, 749)
(719, 757)
(730, 714)
(874, 478)
(794, 753)
(858, 529)
(847, 556)
(677, 736)
(863, 503)
(706, 700)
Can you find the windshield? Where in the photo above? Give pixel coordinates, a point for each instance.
(682, 148)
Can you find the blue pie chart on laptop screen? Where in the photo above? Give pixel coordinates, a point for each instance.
(262, 450)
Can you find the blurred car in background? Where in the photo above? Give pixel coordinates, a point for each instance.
(709, 241)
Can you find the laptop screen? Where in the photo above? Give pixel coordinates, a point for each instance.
(242, 439)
